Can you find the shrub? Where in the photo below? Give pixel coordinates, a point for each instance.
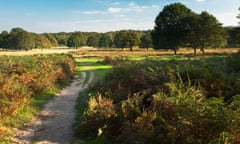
(24, 77)
(13, 95)
(166, 102)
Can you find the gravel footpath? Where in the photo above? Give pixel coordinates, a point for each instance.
(54, 124)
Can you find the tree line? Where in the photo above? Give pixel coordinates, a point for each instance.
(178, 26)
(20, 39)
(175, 26)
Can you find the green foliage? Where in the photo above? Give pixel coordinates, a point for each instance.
(166, 102)
(125, 39)
(233, 39)
(146, 41)
(52, 39)
(211, 32)
(24, 78)
(4, 39)
(41, 41)
(169, 32)
(21, 39)
(93, 40)
(62, 38)
(177, 26)
(76, 40)
(105, 41)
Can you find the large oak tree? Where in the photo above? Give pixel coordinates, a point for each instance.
(178, 26)
(169, 32)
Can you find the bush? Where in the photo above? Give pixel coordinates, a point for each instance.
(24, 77)
(13, 95)
(166, 102)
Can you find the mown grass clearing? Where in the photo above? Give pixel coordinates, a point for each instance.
(92, 64)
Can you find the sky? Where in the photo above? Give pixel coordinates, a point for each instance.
(41, 16)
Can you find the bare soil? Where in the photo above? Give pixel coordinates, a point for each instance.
(54, 124)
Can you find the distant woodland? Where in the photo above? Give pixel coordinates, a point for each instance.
(176, 26)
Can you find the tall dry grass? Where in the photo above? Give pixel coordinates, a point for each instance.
(150, 52)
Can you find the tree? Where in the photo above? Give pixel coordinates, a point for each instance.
(76, 40)
(93, 40)
(4, 39)
(120, 39)
(73, 41)
(146, 41)
(52, 39)
(168, 32)
(193, 31)
(21, 39)
(126, 39)
(41, 41)
(233, 36)
(133, 39)
(105, 41)
(62, 38)
(203, 31)
(211, 32)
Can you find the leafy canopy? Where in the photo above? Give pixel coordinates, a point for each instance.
(124, 39)
(168, 31)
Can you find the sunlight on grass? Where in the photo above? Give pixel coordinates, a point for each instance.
(95, 67)
(91, 64)
(100, 70)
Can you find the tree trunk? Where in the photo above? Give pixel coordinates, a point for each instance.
(131, 49)
(202, 49)
(175, 51)
(195, 51)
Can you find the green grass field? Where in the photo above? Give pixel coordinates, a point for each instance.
(92, 64)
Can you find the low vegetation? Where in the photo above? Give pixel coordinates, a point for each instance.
(26, 82)
(192, 100)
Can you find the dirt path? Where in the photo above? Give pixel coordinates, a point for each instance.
(54, 125)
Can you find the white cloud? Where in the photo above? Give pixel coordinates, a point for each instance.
(137, 8)
(227, 18)
(93, 12)
(132, 7)
(114, 10)
(97, 25)
(200, 0)
(120, 15)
